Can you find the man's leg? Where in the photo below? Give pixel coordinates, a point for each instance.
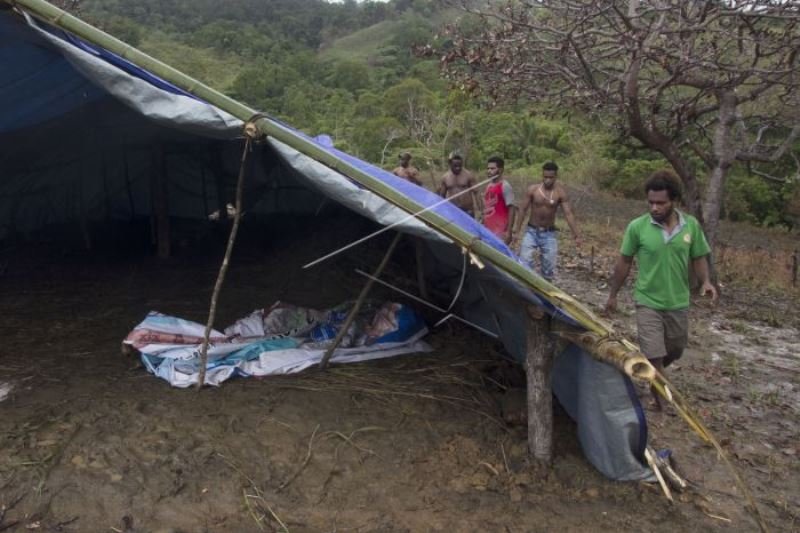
(549, 245)
(527, 249)
(676, 334)
(650, 328)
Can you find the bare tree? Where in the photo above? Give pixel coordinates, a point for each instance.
(704, 82)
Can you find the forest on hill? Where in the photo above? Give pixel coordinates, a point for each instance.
(349, 70)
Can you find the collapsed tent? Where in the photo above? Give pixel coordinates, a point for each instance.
(92, 130)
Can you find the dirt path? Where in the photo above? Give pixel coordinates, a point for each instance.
(740, 373)
(90, 442)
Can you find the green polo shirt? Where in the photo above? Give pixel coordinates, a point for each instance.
(663, 259)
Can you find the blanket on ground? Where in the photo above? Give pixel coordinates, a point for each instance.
(281, 339)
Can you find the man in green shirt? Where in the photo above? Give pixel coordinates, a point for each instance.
(664, 242)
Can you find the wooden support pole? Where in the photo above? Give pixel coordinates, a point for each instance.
(538, 368)
(223, 269)
(795, 261)
(354, 311)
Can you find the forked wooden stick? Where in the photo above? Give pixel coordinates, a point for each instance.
(223, 269)
(354, 311)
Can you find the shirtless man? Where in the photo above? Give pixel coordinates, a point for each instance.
(456, 180)
(543, 200)
(406, 170)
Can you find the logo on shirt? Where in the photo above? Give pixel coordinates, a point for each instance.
(687, 238)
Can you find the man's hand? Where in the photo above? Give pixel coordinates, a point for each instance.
(708, 288)
(611, 305)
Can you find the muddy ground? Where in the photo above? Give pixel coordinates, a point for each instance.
(90, 442)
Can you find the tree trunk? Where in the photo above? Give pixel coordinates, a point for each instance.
(650, 136)
(724, 157)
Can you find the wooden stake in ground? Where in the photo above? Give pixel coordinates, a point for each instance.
(538, 369)
(354, 311)
(223, 269)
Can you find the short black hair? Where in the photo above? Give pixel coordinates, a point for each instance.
(453, 156)
(550, 165)
(497, 160)
(664, 180)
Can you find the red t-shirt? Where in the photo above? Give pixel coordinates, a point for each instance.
(497, 201)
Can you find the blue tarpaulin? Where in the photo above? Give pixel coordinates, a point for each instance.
(79, 127)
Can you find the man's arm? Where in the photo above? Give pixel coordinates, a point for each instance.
(413, 176)
(567, 207)
(621, 270)
(522, 216)
(700, 266)
(477, 204)
(512, 216)
(523, 212)
(510, 201)
(441, 190)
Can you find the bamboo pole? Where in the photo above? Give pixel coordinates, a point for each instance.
(613, 351)
(357, 306)
(223, 269)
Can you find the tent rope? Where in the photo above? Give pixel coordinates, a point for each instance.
(460, 283)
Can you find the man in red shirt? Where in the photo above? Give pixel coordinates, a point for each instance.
(499, 210)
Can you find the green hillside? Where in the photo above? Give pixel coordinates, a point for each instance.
(362, 45)
(348, 70)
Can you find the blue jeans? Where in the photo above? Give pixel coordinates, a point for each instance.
(546, 243)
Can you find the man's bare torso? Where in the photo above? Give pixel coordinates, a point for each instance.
(544, 204)
(456, 183)
(409, 173)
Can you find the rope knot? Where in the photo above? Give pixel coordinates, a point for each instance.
(251, 129)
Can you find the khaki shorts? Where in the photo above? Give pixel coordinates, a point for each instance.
(662, 333)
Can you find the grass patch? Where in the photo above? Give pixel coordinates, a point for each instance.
(755, 266)
(363, 45)
(205, 65)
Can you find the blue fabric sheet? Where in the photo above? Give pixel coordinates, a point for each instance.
(38, 85)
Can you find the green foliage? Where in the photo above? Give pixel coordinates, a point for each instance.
(754, 199)
(348, 70)
(123, 28)
(375, 136)
(414, 29)
(264, 83)
(491, 134)
(630, 175)
(405, 98)
(349, 75)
